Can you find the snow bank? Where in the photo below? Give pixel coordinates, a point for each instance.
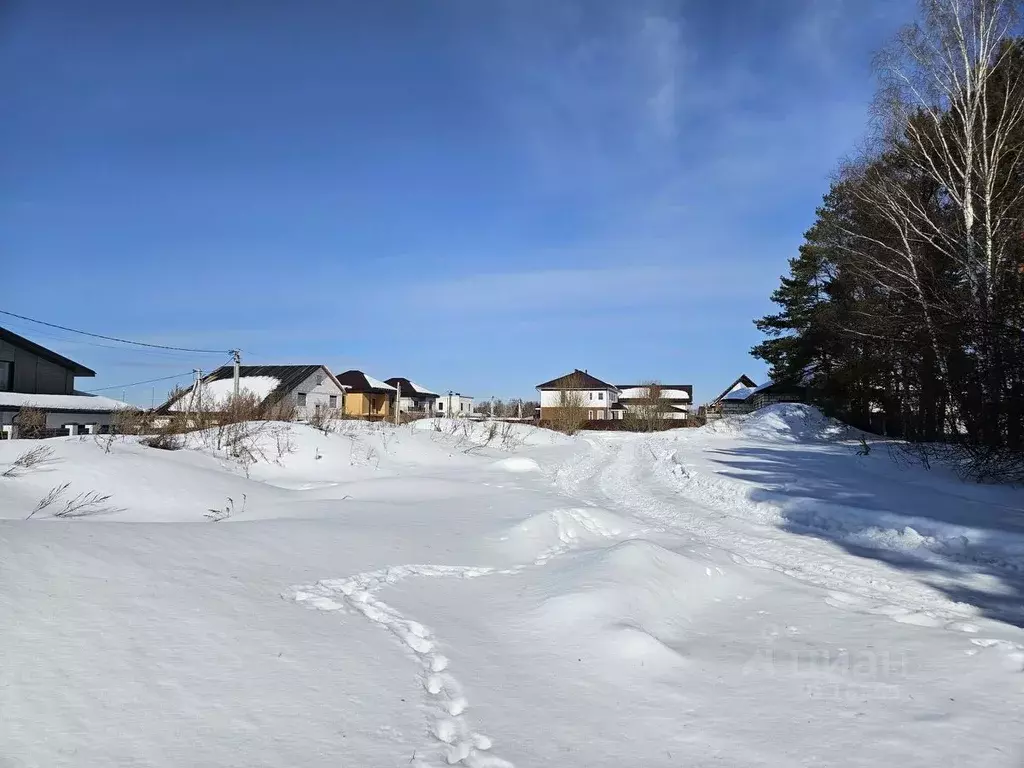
(517, 464)
(793, 422)
(548, 534)
(508, 434)
(634, 600)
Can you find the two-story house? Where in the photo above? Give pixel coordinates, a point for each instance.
(37, 378)
(579, 390)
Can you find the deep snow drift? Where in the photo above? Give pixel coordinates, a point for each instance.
(751, 594)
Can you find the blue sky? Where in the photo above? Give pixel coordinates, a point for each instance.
(479, 195)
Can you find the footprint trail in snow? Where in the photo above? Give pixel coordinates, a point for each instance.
(458, 742)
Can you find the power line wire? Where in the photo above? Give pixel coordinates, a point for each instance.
(113, 338)
(138, 383)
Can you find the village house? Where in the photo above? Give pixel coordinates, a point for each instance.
(580, 390)
(300, 389)
(34, 377)
(674, 400)
(413, 399)
(367, 397)
(454, 404)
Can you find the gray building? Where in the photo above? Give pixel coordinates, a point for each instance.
(34, 377)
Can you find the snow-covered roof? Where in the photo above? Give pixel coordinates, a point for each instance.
(629, 393)
(376, 383)
(214, 393)
(740, 393)
(79, 401)
(357, 381)
(420, 390)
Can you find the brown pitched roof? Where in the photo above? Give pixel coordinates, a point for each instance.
(577, 380)
(357, 382)
(47, 354)
(408, 388)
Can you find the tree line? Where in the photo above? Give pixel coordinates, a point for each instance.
(904, 310)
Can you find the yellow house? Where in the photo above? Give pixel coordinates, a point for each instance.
(366, 396)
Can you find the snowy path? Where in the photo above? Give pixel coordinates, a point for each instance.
(644, 478)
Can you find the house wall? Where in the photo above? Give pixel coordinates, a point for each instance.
(418, 403)
(548, 413)
(317, 394)
(367, 404)
(453, 405)
(595, 398)
(35, 375)
(57, 419)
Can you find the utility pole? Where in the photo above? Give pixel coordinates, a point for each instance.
(449, 402)
(236, 354)
(398, 403)
(519, 408)
(492, 406)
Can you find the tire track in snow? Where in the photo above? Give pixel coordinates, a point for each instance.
(623, 472)
(458, 742)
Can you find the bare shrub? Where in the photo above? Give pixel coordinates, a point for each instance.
(216, 514)
(35, 457)
(511, 436)
(164, 441)
(31, 422)
(570, 416)
(648, 412)
(129, 421)
(51, 496)
(324, 419)
(82, 505)
(283, 410)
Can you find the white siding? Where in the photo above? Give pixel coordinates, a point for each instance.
(453, 405)
(592, 398)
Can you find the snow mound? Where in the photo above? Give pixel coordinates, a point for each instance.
(635, 600)
(548, 534)
(517, 464)
(501, 435)
(789, 422)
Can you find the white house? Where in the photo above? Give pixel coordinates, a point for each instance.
(413, 398)
(600, 398)
(453, 404)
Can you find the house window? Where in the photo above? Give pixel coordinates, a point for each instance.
(301, 399)
(6, 376)
(319, 379)
(590, 415)
(600, 395)
(591, 395)
(440, 405)
(333, 401)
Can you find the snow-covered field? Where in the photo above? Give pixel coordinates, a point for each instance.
(748, 594)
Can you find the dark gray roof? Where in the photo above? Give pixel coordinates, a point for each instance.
(288, 377)
(47, 354)
(577, 380)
